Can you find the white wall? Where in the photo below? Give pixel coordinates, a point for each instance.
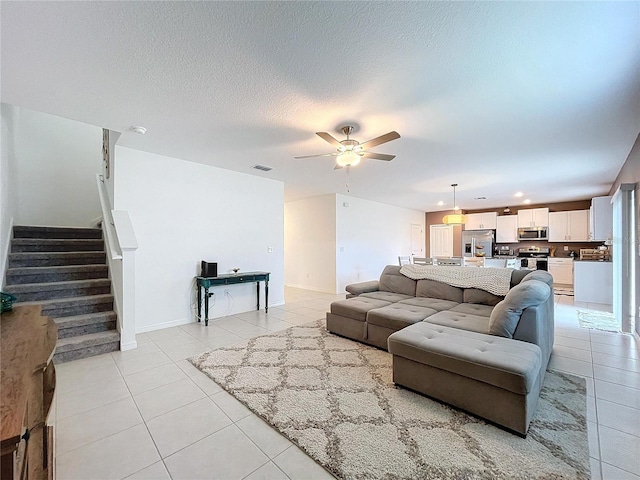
(57, 161)
(185, 212)
(310, 243)
(8, 182)
(370, 235)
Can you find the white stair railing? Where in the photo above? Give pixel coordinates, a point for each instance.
(121, 244)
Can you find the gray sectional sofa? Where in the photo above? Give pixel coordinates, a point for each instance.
(484, 353)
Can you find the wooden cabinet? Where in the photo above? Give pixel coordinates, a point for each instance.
(561, 269)
(26, 393)
(571, 226)
(507, 229)
(481, 221)
(473, 261)
(601, 224)
(533, 217)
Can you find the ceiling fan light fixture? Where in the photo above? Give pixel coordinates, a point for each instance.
(456, 218)
(348, 159)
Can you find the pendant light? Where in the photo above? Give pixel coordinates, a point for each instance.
(456, 218)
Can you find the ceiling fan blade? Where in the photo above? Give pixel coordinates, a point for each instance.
(328, 138)
(318, 155)
(387, 137)
(337, 167)
(379, 156)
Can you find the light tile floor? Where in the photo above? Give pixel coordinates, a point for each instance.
(149, 414)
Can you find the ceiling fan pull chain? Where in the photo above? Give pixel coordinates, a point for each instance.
(347, 184)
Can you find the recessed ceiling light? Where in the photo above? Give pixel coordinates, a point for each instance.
(440, 203)
(527, 201)
(139, 129)
(518, 194)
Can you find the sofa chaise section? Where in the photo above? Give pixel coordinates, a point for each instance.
(493, 377)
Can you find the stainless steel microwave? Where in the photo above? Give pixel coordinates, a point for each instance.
(533, 233)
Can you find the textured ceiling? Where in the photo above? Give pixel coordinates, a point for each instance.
(540, 97)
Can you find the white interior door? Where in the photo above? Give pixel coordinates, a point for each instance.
(441, 240)
(417, 240)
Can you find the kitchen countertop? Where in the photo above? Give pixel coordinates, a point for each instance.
(593, 261)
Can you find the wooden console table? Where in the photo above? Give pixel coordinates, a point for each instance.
(231, 279)
(27, 383)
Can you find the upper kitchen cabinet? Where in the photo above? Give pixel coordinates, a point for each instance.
(481, 221)
(533, 217)
(507, 229)
(571, 226)
(601, 219)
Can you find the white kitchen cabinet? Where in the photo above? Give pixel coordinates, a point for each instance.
(507, 229)
(481, 221)
(533, 217)
(561, 269)
(571, 226)
(601, 219)
(593, 282)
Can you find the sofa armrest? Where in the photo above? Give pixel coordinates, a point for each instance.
(536, 325)
(356, 289)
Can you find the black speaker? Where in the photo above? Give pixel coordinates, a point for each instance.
(208, 269)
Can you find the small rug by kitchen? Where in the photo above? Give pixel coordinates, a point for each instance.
(336, 400)
(598, 320)
(563, 291)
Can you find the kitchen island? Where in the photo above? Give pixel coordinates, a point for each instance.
(593, 281)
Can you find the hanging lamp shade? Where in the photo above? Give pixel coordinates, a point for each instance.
(455, 218)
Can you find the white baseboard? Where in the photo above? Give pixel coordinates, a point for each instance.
(160, 326)
(307, 287)
(128, 346)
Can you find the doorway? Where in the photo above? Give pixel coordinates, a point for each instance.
(441, 241)
(417, 240)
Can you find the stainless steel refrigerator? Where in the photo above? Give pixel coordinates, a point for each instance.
(477, 243)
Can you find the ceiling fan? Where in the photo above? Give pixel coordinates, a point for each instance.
(350, 152)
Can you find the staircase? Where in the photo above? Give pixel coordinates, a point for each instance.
(64, 270)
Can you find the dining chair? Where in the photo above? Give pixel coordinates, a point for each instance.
(404, 260)
(423, 261)
(450, 262)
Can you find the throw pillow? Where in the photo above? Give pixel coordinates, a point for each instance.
(506, 314)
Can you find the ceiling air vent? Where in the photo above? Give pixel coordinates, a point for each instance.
(264, 168)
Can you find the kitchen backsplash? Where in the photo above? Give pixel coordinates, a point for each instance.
(559, 247)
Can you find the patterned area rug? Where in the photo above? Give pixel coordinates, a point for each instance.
(335, 399)
(598, 320)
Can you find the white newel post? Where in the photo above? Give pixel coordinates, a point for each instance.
(128, 246)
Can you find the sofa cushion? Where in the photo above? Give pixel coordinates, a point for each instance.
(391, 280)
(356, 289)
(398, 315)
(475, 295)
(433, 289)
(435, 303)
(386, 296)
(517, 276)
(508, 364)
(473, 309)
(460, 320)
(539, 275)
(506, 315)
(356, 308)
